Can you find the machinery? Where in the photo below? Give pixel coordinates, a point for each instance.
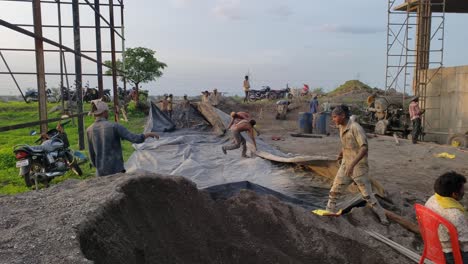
(387, 115)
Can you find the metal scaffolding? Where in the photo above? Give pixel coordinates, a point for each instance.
(415, 43)
(39, 51)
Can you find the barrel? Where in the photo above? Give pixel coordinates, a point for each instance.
(305, 122)
(323, 123)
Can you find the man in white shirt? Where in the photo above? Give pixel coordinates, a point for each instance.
(449, 190)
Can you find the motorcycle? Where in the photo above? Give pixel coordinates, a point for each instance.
(68, 94)
(124, 95)
(279, 94)
(53, 158)
(93, 94)
(255, 95)
(33, 96)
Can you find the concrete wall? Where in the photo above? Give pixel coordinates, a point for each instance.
(446, 103)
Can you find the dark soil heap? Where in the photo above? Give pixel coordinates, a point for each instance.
(158, 219)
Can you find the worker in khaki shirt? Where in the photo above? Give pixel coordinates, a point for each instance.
(354, 165)
(246, 88)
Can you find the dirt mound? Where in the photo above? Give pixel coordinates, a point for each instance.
(349, 86)
(157, 219)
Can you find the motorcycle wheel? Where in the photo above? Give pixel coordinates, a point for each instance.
(35, 167)
(76, 169)
(290, 96)
(27, 180)
(28, 99)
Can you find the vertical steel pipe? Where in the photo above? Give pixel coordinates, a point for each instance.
(78, 70)
(40, 68)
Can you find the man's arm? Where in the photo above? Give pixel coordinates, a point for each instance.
(92, 155)
(252, 136)
(230, 123)
(361, 139)
(134, 138)
(340, 155)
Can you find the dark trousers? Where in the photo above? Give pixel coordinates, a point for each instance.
(417, 129)
(450, 260)
(246, 98)
(238, 141)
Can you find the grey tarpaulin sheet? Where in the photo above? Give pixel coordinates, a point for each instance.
(158, 121)
(197, 155)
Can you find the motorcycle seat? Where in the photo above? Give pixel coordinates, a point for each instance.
(47, 146)
(37, 149)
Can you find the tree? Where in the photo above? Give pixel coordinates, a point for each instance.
(318, 91)
(141, 66)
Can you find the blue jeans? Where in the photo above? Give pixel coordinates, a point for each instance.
(450, 260)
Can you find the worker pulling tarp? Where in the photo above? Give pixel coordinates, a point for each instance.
(158, 121)
(197, 155)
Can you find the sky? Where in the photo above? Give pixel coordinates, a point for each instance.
(211, 44)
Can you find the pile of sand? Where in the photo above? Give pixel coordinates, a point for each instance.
(157, 219)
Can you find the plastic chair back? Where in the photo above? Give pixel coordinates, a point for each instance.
(429, 222)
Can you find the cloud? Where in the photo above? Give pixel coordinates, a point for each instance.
(229, 9)
(350, 29)
(282, 11)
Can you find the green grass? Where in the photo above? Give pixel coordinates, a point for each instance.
(12, 113)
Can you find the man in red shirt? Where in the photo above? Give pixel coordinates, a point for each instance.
(415, 115)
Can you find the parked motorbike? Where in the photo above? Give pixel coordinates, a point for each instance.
(33, 96)
(124, 95)
(279, 94)
(42, 163)
(255, 95)
(93, 94)
(68, 94)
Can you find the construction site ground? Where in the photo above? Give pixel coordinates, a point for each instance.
(164, 219)
(405, 169)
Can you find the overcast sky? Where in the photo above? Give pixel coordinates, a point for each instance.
(213, 43)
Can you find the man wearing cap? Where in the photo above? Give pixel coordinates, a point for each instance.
(354, 166)
(105, 149)
(415, 115)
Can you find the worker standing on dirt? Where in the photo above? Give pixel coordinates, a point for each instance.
(246, 88)
(354, 165)
(449, 191)
(238, 139)
(169, 106)
(415, 115)
(185, 105)
(314, 109)
(215, 98)
(205, 97)
(163, 104)
(104, 146)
